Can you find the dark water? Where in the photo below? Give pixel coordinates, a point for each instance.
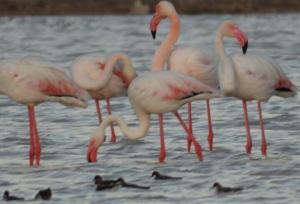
(65, 131)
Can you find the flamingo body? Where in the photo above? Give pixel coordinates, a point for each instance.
(30, 81)
(259, 78)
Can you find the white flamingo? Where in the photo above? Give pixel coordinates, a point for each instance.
(250, 77)
(154, 92)
(30, 81)
(88, 72)
(187, 60)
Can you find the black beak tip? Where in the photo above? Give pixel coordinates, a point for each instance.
(153, 33)
(245, 47)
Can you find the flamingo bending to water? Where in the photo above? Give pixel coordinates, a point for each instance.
(154, 92)
(89, 73)
(30, 82)
(250, 77)
(190, 61)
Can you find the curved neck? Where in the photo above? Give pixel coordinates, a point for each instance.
(84, 80)
(226, 71)
(129, 132)
(161, 54)
(128, 71)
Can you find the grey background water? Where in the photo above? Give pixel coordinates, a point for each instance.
(65, 131)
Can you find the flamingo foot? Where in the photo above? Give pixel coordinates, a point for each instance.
(198, 149)
(264, 148)
(210, 138)
(248, 147)
(113, 135)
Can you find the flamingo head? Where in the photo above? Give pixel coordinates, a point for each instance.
(231, 29)
(95, 143)
(162, 10)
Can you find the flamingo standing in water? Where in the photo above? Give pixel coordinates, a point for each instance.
(30, 81)
(154, 92)
(88, 72)
(249, 77)
(187, 60)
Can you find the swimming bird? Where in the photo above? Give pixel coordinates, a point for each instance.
(45, 194)
(90, 73)
(194, 62)
(249, 77)
(8, 197)
(154, 92)
(221, 189)
(158, 176)
(99, 180)
(30, 81)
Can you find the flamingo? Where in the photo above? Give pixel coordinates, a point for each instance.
(249, 77)
(187, 60)
(30, 81)
(88, 72)
(154, 92)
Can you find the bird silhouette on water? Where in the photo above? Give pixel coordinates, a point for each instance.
(221, 189)
(8, 197)
(110, 184)
(158, 176)
(43, 194)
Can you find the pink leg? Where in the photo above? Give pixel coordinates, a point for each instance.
(263, 137)
(162, 154)
(36, 138)
(197, 146)
(190, 117)
(249, 140)
(98, 110)
(113, 135)
(210, 137)
(31, 149)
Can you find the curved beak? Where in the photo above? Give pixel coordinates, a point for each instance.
(153, 25)
(242, 39)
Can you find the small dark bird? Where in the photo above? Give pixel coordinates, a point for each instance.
(7, 197)
(99, 180)
(43, 194)
(221, 189)
(158, 176)
(123, 183)
(106, 186)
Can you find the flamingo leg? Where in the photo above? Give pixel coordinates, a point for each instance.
(197, 146)
(31, 149)
(113, 134)
(210, 137)
(162, 154)
(190, 118)
(35, 137)
(98, 110)
(249, 139)
(263, 136)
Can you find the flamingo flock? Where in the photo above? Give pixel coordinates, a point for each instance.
(176, 77)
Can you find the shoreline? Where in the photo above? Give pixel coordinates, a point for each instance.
(143, 7)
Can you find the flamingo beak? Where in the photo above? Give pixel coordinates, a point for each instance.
(92, 152)
(242, 39)
(153, 25)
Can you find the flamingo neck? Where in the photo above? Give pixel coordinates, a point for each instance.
(130, 132)
(82, 75)
(226, 69)
(161, 54)
(128, 73)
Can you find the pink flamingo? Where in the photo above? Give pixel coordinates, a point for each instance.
(30, 81)
(154, 92)
(88, 72)
(187, 60)
(249, 77)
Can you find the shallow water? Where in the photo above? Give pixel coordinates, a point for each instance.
(65, 131)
